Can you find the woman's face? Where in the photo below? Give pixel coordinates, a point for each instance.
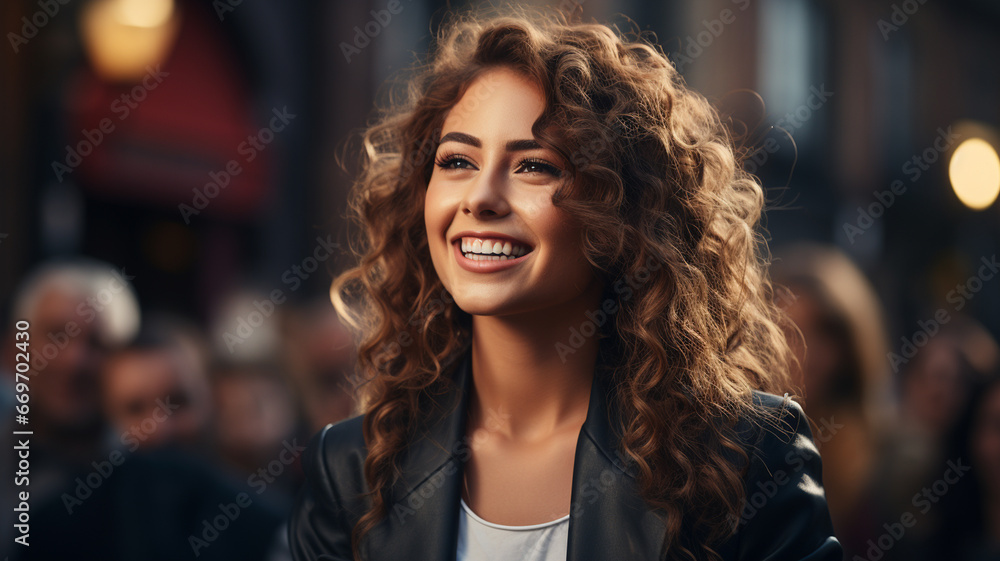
(498, 243)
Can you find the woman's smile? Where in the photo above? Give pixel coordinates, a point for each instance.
(489, 252)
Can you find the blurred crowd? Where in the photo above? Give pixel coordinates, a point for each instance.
(908, 426)
(156, 438)
(151, 437)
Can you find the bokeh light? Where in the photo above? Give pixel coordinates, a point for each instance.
(974, 171)
(125, 37)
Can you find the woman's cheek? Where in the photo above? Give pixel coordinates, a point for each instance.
(438, 215)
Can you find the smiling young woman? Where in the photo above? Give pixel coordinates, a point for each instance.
(567, 324)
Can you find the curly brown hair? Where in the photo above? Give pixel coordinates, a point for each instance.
(655, 178)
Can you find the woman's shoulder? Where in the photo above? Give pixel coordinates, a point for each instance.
(342, 435)
(777, 438)
(332, 498)
(784, 475)
(338, 448)
(334, 460)
(773, 421)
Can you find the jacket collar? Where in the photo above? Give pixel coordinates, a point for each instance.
(608, 519)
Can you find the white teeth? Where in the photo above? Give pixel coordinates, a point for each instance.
(479, 257)
(493, 250)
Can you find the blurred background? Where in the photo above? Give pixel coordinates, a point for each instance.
(171, 215)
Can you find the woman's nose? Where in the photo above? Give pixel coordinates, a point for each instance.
(485, 197)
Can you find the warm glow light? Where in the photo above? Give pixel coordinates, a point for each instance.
(124, 37)
(144, 13)
(975, 173)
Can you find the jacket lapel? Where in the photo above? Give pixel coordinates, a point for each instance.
(422, 518)
(608, 519)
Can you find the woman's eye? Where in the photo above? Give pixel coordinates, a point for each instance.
(454, 162)
(538, 166)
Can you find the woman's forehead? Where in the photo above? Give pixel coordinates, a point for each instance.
(498, 104)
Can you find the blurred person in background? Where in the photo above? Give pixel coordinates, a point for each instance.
(93, 496)
(844, 374)
(156, 388)
(154, 504)
(321, 358)
(254, 427)
(937, 389)
(77, 311)
(936, 382)
(970, 507)
(256, 416)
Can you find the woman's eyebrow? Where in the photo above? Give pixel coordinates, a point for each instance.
(461, 137)
(511, 146)
(521, 145)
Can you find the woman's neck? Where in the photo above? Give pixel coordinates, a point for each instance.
(532, 373)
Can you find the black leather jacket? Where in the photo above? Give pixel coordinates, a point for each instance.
(785, 518)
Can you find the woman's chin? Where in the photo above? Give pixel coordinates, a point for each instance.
(479, 306)
(478, 309)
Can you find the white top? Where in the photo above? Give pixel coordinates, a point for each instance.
(479, 540)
